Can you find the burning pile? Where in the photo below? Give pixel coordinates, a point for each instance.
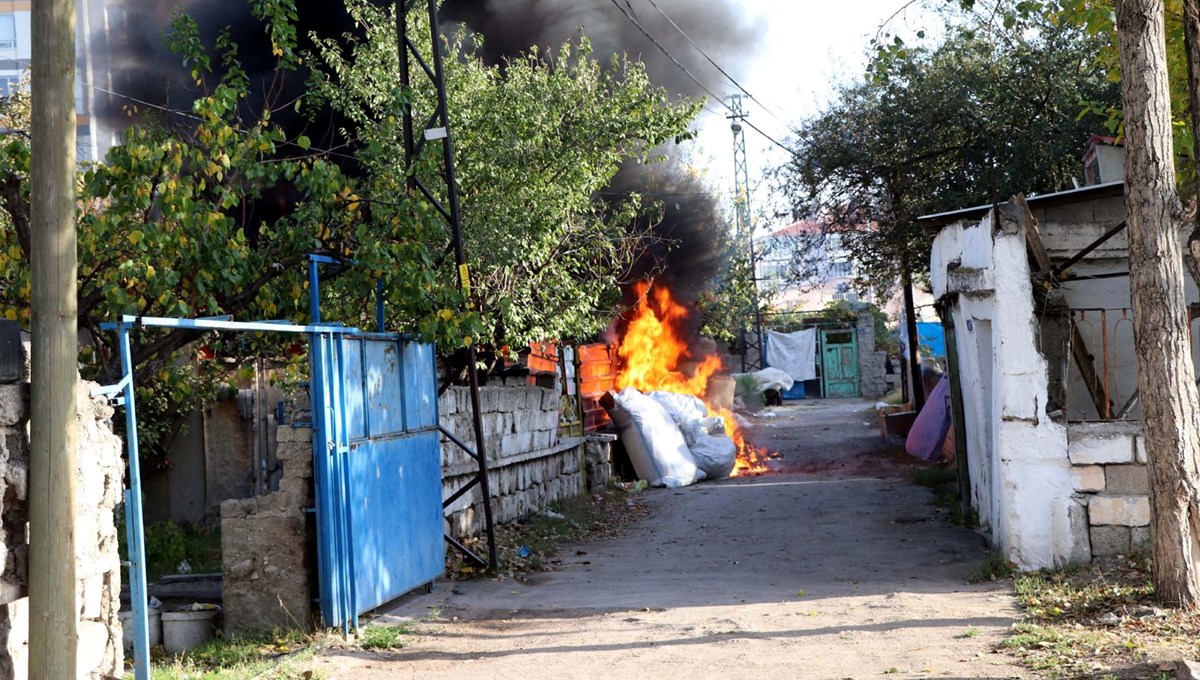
(652, 354)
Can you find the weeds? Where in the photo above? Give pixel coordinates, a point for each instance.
(532, 544)
(1096, 622)
(173, 548)
(254, 656)
(383, 637)
(993, 568)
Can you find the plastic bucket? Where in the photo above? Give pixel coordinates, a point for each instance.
(154, 626)
(189, 628)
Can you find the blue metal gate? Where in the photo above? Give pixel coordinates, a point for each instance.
(377, 465)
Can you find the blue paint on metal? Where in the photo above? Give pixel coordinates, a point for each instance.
(384, 512)
(314, 290)
(134, 534)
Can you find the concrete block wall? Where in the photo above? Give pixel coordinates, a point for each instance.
(99, 479)
(529, 467)
(264, 546)
(1111, 479)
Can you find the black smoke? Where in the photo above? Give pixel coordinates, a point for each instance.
(687, 256)
(136, 75)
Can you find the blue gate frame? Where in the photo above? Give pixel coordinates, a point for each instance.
(374, 411)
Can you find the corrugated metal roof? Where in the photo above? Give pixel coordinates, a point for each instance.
(939, 220)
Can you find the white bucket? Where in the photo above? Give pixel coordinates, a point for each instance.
(188, 629)
(154, 626)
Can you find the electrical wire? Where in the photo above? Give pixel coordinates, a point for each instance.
(716, 65)
(696, 80)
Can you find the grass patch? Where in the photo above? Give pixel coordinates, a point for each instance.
(1099, 622)
(256, 656)
(532, 543)
(383, 637)
(993, 568)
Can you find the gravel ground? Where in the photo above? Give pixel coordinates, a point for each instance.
(831, 565)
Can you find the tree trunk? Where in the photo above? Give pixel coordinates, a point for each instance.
(53, 615)
(1166, 376)
(1191, 38)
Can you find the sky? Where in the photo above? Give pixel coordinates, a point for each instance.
(807, 48)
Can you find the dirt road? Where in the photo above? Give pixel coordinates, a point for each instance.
(832, 566)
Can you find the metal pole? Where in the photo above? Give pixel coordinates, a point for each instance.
(914, 354)
(53, 611)
(958, 415)
(134, 532)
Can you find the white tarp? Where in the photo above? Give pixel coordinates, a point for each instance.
(794, 353)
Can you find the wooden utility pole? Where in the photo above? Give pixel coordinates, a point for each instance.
(53, 614)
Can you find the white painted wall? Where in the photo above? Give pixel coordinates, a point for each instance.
(1017, 456)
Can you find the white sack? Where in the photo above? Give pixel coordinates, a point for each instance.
(713, 450)
(654, 442)
(683, 408)
(794, 353)
(770, 379)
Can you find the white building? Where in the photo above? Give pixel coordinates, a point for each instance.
(1048, 376)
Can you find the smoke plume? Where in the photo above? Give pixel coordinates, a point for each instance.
(141, 71)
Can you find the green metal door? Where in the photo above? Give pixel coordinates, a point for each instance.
(839, 363)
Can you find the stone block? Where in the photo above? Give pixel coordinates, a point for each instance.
(1087, 478)
(1101, 449)
(293, 435)
(1114, 510)
(1127, 479)
(1140, 446)
(1142, 539)
(1108, 541)
(14, 404)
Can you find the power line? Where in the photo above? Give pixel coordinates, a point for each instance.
(717, 66)
(693, 78)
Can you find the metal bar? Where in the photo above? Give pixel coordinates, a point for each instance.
(958, 415)
(460, 259)
(248, 326)
(379, 309)
(109, 390)
(420, 143)
(1093, 277)
(134, 531)
(459, 494)
(450, 435)
(1065, 265)
(314, 292)
(431, 198)
(416, 55)
(466, 551)
(1104, 355)
(914, 340)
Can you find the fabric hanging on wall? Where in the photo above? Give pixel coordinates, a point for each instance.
(794, 353)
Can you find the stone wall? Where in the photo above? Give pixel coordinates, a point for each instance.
(1110, 477)
(264, 546)
(529, 466)
(99, 482)
(872, 375)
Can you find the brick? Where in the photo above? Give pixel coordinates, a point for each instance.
(1129, 511)
(1108, 541)
(1101, 449)
(1087, 478)
(1127, 479)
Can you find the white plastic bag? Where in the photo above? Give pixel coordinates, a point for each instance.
(714, 452)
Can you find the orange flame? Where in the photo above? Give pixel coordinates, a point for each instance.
(651, 353)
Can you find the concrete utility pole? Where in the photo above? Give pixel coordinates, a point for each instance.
(53, 614)
(745, 230)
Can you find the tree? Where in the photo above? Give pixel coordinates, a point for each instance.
(1166, 375)
(976, 118)
(537, 138)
